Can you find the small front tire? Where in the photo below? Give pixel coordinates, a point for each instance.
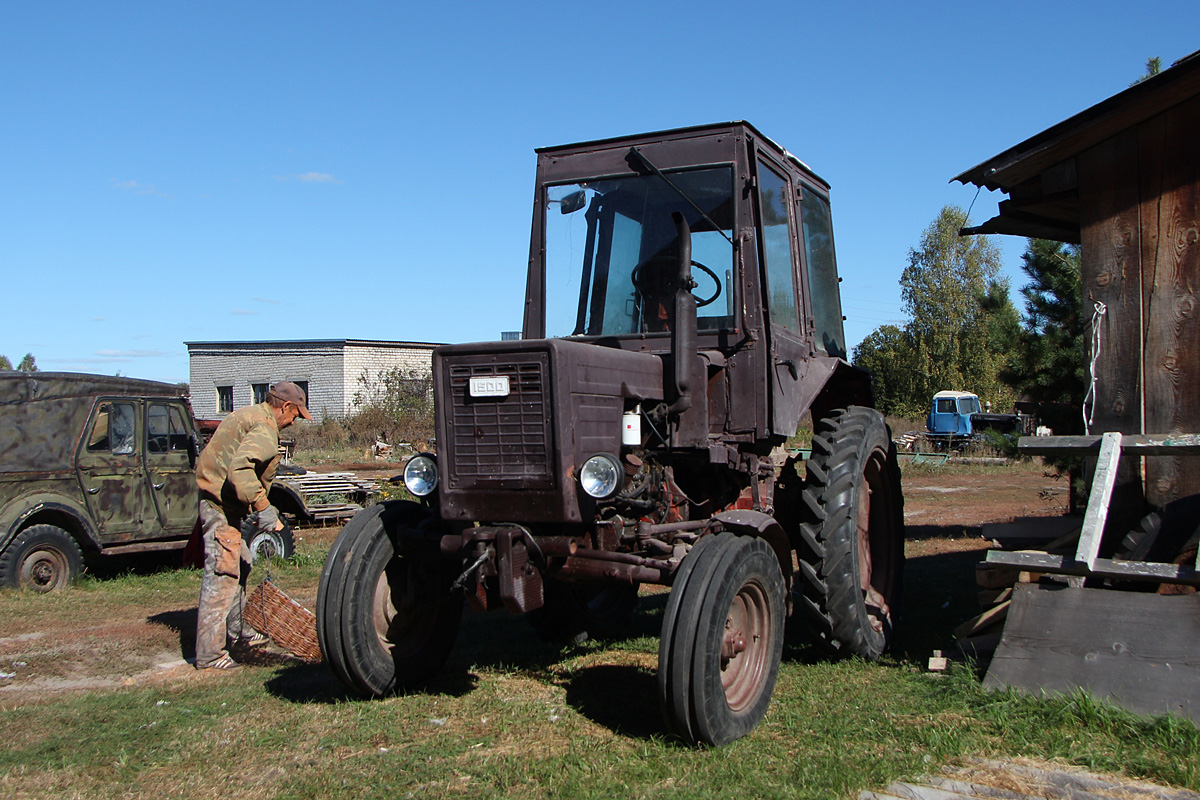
(722, 643)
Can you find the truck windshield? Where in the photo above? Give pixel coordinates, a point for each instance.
(612, 249)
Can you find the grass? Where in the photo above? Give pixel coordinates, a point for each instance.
(512, 716)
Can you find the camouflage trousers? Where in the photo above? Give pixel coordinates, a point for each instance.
(223, 588)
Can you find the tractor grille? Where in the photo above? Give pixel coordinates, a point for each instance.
(500, 442)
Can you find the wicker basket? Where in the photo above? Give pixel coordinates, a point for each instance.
(291, 625)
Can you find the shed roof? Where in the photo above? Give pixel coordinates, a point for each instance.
(1039, 173)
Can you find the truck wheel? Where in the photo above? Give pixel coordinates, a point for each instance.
(386, 622)
(851, 549)
(722, 641)
(265, 544)
(41, 558)
(571, 609)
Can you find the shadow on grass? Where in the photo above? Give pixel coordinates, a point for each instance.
(183, 622)
(940, 593)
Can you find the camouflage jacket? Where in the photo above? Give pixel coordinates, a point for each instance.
(237, 466)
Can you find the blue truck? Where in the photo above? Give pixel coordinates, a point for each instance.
(957, 418)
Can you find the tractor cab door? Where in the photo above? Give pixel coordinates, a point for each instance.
(779, 255)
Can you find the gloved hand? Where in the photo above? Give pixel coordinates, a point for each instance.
(267, 520)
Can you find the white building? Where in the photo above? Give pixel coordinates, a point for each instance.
(229, 375)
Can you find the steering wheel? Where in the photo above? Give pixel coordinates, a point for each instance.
(652, 278)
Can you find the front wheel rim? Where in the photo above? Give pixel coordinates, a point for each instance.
(746, 646)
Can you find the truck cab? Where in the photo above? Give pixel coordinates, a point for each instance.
(951, 414)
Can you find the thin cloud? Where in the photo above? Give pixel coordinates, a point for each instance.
(126, 354)
(244, 312)
(138, 188)
(310, 177)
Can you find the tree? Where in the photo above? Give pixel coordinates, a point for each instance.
(1153, 67)
(887, 353)
(27, 364)
(1053, 351)
(5, 363)
(962, 324)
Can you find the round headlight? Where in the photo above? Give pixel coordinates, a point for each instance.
(421, 475)
(601, 476)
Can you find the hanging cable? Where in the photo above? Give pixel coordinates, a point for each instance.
(1089, 411)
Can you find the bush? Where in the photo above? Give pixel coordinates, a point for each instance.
(393, 406)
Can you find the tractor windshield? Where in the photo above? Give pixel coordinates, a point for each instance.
(612, 251)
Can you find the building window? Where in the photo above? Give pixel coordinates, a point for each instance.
(224, 399)
(304, 388)
(260, 391)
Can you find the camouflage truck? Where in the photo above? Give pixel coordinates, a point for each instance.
(682, 316)
(95, 465)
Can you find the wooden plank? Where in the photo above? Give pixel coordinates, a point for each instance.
(1134, 649)
(1110, 235)
(1097, 507)
(1169, 170)
(1037, 561)
(1147, 571)
(1150, 444)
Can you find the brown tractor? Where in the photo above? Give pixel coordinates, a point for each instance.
(682, 314)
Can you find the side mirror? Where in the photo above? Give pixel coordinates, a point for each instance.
(572, 202)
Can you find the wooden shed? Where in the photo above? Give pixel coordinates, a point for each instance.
(1122, 179)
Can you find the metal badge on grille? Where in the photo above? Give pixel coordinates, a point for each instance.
(490, 386)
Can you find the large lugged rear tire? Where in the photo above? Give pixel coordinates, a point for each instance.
(851, 550)
(385, 622)
(41, 558)
(722, 640)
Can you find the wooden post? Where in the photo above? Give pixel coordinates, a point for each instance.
(1111, 245)
(1169, 167)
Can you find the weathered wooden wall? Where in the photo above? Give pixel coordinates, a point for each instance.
(1169, 168)
(1139, 193)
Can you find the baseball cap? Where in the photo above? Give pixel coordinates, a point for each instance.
(290, 392)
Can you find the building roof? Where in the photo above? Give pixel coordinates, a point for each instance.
(310, 342)
(1039, 173)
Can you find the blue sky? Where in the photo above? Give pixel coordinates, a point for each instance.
(178, 171)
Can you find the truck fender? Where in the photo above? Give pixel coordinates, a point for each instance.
(745, 522)
(52, 509)
(289, 501)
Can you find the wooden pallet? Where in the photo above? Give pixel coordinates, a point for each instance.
(314, 486)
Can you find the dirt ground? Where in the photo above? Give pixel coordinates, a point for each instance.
(148, 641)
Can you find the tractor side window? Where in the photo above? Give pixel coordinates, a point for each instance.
(112, 429)
(777, 248)
(822, 273)
(945, 405)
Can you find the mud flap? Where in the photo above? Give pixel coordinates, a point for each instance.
(1137, 650)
